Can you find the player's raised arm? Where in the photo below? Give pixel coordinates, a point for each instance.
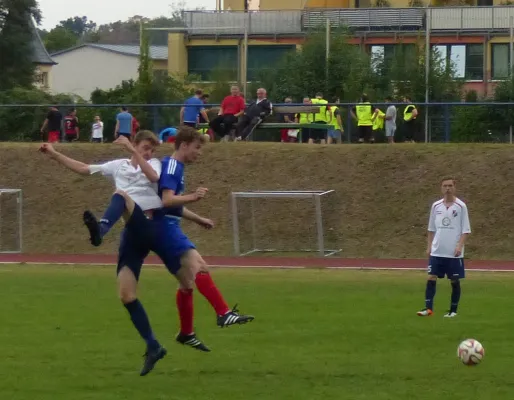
(76, 166)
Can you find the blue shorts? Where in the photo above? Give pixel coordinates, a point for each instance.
(127, 135)
(334, 134)
(453, 268)
(142, 235)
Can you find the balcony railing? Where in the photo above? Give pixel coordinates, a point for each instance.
(365, 19)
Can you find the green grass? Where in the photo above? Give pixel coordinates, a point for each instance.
(318, 334)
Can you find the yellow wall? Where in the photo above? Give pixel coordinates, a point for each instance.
(330, 3)
(160, 64)
(281, 5)
(234, 5)
(177, 54)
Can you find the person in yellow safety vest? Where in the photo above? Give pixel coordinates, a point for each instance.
(363, 113)
(410, 114)
(305, 118)
(322, 117)
(336, 134)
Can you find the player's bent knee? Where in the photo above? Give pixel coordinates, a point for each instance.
(127, 296)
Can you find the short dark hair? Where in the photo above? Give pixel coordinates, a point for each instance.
(146, 135)
(206, 96)
(319, 94)
(408, 98)
(448, 178)
(71, 110)
(187, 134)
(123, 108)
(365, 97)
(198, 92)
(389, 98)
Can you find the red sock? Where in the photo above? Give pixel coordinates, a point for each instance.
(208, 289)
(185, 310)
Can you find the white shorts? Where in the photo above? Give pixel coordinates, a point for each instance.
(389, 130)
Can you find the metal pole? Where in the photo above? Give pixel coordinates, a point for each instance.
(254, 227)
(245, 62)
(511, 53)
(427, 68)
(319, 225)
(327, 54)
(20, 218)
(235, 225)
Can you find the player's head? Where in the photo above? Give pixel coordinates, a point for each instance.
(206, 97)
(234, 91)
(199, 93)
(145, 143)
(124, 109)
(448, 186)
(188, 143)
(72, 112)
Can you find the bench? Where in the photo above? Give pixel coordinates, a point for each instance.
(307, 109)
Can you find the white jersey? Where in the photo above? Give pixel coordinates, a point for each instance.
(98, 130)
(449, 224)
(133, 181)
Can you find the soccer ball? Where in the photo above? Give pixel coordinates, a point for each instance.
(470, 352)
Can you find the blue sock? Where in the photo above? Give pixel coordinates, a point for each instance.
(113, 213)
(142, 324)
(455, 296)
(430, 294)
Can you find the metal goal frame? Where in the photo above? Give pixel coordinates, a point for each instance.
(19, 202)
(315, 195)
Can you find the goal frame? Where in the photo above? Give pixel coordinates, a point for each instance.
(19, 201)
(314, 195)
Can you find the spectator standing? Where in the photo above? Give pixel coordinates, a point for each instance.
(363, 112)
(390, 120)
(53, 122)
(71, 126)
(305, 118)
(123, 124)
(321, 117)
(135, 126)
(97, 130)
(192, 109)
(410, 114)
(286, 118)
(335, 134)
(232, 107)
(254, 114)
(205, 100)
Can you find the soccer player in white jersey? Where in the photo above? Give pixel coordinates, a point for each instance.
(448, 228)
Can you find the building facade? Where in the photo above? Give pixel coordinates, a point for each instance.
(42, 61)
(475, 39)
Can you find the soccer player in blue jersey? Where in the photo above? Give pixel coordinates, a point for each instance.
(188, 145)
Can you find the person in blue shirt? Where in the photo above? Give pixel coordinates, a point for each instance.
(192, 109)
(123, 123)
(184, 257)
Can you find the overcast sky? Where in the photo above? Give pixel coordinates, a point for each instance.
(105, 11)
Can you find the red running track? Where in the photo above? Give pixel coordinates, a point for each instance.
(259, 262)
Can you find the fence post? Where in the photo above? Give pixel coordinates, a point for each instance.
(155, 114)
(447, 123)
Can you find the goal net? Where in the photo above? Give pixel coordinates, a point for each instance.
(10, 220)
(284, 222)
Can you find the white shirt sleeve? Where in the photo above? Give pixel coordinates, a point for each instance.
(156, 165)
(107, 169)
(431, 220)
(466, 226)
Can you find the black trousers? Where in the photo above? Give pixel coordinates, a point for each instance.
(228, 122)
(245, 125)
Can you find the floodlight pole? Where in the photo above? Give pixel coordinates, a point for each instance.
(245, 43)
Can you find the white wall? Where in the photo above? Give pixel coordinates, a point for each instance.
(83, 70)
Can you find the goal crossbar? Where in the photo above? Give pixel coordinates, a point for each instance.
(314, 195)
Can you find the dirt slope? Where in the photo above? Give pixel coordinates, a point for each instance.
(380, 208)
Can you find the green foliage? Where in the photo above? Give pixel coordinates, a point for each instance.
(59, 38)
(16, 34)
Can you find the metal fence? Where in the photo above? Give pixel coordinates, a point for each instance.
(437, 122)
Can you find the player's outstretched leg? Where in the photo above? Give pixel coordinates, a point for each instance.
(187, 335)
(455, 298)
(98, 229)
(429, 298)
(207, 287)
(127, 283)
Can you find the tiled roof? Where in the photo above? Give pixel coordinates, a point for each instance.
(39, 53)
(156, 52)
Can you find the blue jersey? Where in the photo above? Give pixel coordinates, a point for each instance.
(125, 120)
(192, 108)
(172, 178)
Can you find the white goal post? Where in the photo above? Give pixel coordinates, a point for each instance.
(11, 220)
(284, 222)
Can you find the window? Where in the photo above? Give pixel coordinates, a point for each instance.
(209, 62)
(41, 79)
(500, 60)
(485, 3)
(466, 59)
(265, 58)
(383, 55)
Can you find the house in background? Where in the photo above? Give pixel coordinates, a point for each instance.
(82, 69)
(42, 60)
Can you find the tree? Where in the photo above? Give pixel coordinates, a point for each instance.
(59, 38)
(16, 36)
(79, 26)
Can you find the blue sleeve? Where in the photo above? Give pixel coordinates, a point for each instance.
(171, 175)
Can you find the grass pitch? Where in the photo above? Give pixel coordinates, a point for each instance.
(318, 334)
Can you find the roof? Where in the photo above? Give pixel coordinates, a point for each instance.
(39, 53)
(156, 52)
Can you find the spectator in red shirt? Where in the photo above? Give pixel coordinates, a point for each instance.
(232, 107)
(71, 126)
(135, 126)
(53, 123)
